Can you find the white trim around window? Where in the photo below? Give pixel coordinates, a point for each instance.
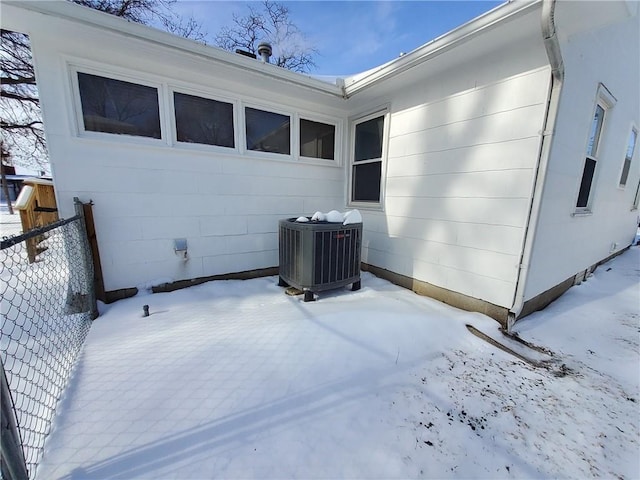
(79, 125)
(322, 119)
(268, 109)
(368, 165)
(166, 91)
(630, 149)
(593, 150)
(295, 117)
(206, 95)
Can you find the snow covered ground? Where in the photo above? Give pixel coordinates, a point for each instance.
(235, 379)
(9, 224)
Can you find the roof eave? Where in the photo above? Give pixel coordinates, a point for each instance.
(72, 12)
(438, 46)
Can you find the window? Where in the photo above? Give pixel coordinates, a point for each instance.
(366, 171)
(605, 102)
(626, 166)
(202, 120)
(317, 140)
(268, 131)
(116, 106)
(591, 160)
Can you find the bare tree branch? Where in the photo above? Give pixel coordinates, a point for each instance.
(13, 126)
(20, 116)
(271, 23)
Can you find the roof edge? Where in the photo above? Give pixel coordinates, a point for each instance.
(76, 13)
(447, 41)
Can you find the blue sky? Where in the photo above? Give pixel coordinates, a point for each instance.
(354, 36)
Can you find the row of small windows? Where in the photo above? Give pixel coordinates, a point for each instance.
(120, 107)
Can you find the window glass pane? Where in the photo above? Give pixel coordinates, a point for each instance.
(317, 140)
(596, 128)
(202, 120)
(268, 131)
(632, 144)
(366, 182)
(625, 172)
(114, 106)
(368, 141)
(628, 156)
(585, 184)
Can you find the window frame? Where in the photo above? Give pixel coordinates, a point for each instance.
(606, 101)
(269, 109)
(626, 159)
(173, 89)
(636, 198)
(336, 140)
(168, 133)
(313, 116)
(383, 111)
(114, 74)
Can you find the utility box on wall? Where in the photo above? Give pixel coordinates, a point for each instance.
(317, 256)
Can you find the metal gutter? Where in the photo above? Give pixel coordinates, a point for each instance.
(79, 14)
(552, 46)
(440, 45)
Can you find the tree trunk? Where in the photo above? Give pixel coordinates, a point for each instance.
(5, 188)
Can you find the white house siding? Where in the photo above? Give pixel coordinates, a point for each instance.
(566, 244)
(148, 193)
(465, 130)
(462, 151)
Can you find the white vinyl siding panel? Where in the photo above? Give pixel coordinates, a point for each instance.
(494, 238)
(500, 127)
(564, 244)
(508, 156)
(225, 203)
(460, 173)
(488, 184)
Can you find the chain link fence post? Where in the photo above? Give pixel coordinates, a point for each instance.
(12, 463)
(86, 257)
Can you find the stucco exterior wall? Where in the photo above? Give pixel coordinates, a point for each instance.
(568, 242)
(148, 192)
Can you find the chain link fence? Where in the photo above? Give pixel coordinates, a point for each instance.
(48, 302)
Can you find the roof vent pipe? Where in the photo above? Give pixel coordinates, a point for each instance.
(265, 51)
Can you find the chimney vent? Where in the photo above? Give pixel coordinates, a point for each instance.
(265, 51)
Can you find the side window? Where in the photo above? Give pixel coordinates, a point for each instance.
(119, 107)
(626, 166)
(202, 120)
(366, 168)
(591, 158)
(267, 131)
(317, 140)
(605, 101)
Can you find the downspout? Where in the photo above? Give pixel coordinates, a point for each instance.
(552, 46)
